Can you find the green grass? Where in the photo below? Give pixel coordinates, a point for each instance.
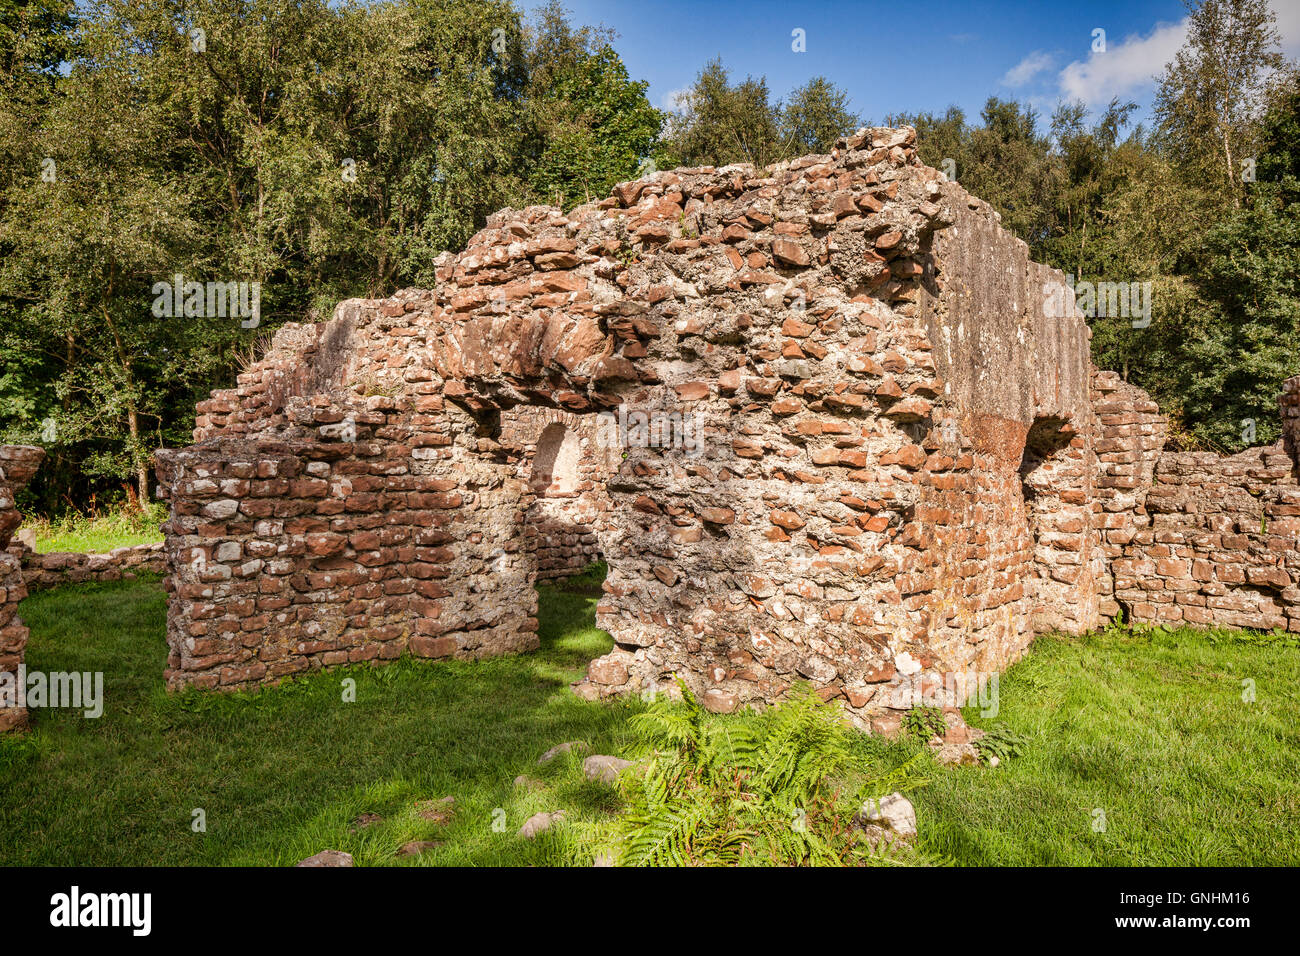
(281, 774)
(1147, 725)
(101, 531)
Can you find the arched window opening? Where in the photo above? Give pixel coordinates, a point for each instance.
(555, 464)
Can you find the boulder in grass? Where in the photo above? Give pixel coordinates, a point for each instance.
(604, 768)
(540, 823)
(327, 858)
(888, 820)
(957, 755)
(560, 749)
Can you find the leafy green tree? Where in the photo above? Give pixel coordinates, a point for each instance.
(941, 141)
(317, 150)
(1248, 274)
(594, 125)
(1004, 161)
(1209, 95)
(718, 123)
(815, 115)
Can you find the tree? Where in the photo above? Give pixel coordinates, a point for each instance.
(594, 126)
(1247, 274)
(1004, 161)
(717, 123)
(1210, 94)
(815, 115)
(316, 150)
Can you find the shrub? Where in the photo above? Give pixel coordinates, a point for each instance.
(778, 788)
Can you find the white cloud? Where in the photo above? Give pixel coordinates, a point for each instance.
(1028, 68)
(1136, 61)
(1125, 66)
(669, 100)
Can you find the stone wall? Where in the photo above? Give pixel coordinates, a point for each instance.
(1130, 437)
(289, 555)
(1289, 405)
(569, 507)
(17, 465)
(53, 569)
(1194, 537)
(863, 350)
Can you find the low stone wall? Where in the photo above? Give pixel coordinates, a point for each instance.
(17, 465)
(57, 568)
(1194, 537)
(299, 554)
(1220, 543)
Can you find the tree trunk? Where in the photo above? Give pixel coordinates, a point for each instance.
(141, 465)
(132, 413)
(1232, 184)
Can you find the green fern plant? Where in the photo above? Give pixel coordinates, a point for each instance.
(779, 788)
(924, 722)
(1001, 742)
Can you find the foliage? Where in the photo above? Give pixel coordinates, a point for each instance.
(717, 122)
(99, 530)
(779, 788)
(1002, 742)
(1152, 728)
(1106, 203)
(924, 722)
(321, 150)
(1210, 93)
(595, 125)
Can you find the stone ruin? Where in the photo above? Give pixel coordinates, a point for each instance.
(17, 465)
(823, 422)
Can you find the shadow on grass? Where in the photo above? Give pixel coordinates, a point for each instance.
(1151, 728)
(280, 774)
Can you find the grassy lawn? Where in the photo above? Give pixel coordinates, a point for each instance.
(103, 531)
(282, 775)
(1149, 727)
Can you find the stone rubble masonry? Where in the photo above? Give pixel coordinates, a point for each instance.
(562, 526)
(1289, 406)
(17, 465)
(867, 352)
(57, 568)
(909, 466)
(1195, 537)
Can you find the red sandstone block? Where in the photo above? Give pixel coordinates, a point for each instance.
(789, 520)
(1173, 567)
(426, 646)
(239, 675)
(325, 543)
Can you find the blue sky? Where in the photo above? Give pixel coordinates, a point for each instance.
(909, 57)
